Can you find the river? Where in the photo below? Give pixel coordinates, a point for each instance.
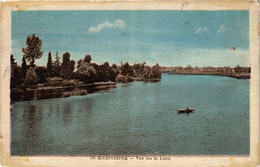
(139, 118)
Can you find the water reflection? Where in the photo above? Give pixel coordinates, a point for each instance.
(66, 113)
(140, 118)
(31, 127)
(31, 120)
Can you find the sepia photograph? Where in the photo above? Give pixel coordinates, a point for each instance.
(131, 83)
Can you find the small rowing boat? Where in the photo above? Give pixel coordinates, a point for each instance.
(186, 110)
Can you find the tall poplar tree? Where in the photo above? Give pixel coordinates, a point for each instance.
(49, 64)
(56, 66)
(24, 67)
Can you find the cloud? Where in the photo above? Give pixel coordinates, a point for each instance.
(223, 28)
(116, 24)
(201, 29)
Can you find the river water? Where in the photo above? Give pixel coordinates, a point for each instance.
(139, 118)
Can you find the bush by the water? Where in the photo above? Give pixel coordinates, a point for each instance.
(75, 93)
(121, 78)
(124, 78)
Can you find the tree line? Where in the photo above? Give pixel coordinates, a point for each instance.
(237, 69)
(29, 74)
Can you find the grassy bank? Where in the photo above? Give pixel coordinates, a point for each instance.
(48, 92)
(57, 87)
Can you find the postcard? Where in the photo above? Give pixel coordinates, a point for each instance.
(130, 83)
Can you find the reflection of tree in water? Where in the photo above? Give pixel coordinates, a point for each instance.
(66, 114)
(86, 107)
(49, 110)
(76, 112)
(28, 117)
(32, 120)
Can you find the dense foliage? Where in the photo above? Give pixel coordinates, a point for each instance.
(16, 73)
(65, 73)
(67, 66)
(31, 76)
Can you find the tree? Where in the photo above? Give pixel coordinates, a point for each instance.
(114, 66)
(106, 64)
(188, 68)
(24, 67)
(78, 63)
(106, 72)
(86, 71)
(49, 64)
(67, 66)
(56, 66)
(97, 77)
(16, 73)
(72, 65)
(147, 72)
(42, 74)
(33, 49)
(12, 60)
(156, 73)
(238, 69)
(139, 69)
(87, 59)
(31, 76)
(66, 58)
(126, 69)
(115, 71)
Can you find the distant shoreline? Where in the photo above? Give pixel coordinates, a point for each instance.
(237, 76)
(236, 72)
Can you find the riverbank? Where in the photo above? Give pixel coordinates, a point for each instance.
(236, 72)
(125, 79)
(30, 94)
(57, 88)
(232, 75)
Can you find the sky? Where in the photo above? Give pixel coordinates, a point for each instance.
(167, 37)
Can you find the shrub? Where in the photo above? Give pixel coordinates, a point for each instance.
(42, 74)
(130, 79)
(121, 78)
(86, 72)
(31, 76)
